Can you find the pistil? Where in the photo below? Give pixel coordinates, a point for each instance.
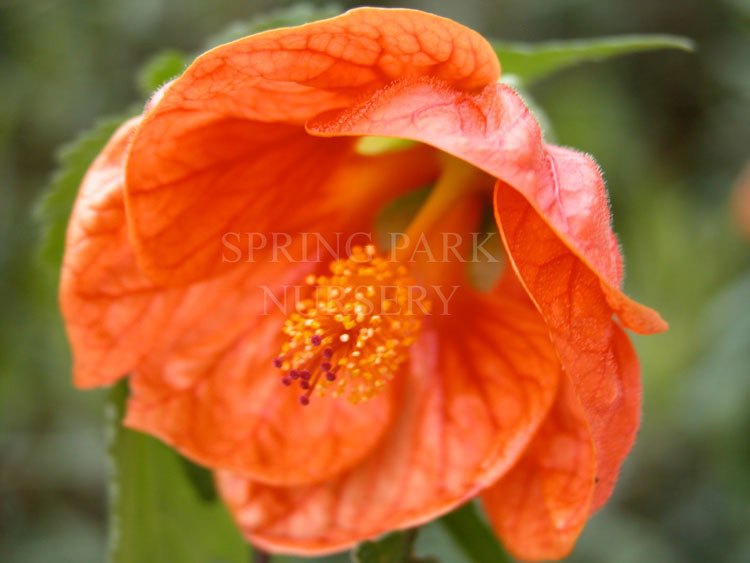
(458, 180)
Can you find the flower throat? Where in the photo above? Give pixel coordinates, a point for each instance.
(350, 337)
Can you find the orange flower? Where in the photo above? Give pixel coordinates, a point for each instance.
(527, 395)
(740, 203)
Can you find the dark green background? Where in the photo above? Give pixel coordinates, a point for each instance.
(671, 131)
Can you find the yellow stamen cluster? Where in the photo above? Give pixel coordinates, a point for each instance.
(354, 331)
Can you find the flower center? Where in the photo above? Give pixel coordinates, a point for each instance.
(352, 334)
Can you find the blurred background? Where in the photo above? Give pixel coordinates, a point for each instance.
(670, 129)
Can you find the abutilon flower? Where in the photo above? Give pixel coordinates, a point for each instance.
(348, 415)
(740, 203)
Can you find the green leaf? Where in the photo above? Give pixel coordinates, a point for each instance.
(156, 514)
(200, 479)
(532, 61)
(73, 160)
(160, 69)
(470, 531)
(435, 544)
(393, 548)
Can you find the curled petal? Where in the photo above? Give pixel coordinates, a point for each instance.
(494, 131)
(594, 351)
(551, 206)
(292, 74)
(581, 197)
(223, 149)
(540, 506)
(467, 408)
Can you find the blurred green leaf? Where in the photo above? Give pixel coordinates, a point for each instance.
(532, 61)
(715, 392)
(56, 204)
(473, 535)
(393, 548)
(156, 514)
(296, 14)
(200, 479)
(160, 69)
(434, 543)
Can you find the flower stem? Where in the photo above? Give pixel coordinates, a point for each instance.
(457, 180)
(260, 556)
(472, 534)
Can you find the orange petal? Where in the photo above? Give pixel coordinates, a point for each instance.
(220, 401)
(202, 353)
(111, 311)
(581, 218)
(223, 149)
(540, 506)
(114, 315)
(494, 131)
(467, 409)
(204, 381)
(740, 202)
(596, 355)
(213, 178)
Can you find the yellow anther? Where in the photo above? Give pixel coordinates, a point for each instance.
(353, 333)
